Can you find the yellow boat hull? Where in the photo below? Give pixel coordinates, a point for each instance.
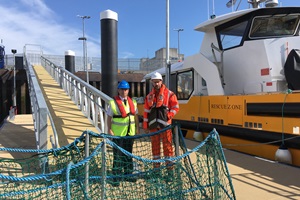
(253, 124)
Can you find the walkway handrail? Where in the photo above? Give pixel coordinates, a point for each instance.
(91, 101)
(39, 108)
(32, 55)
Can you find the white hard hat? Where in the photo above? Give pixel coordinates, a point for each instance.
(156, 75)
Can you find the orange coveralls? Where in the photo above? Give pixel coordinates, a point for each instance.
(154, 100)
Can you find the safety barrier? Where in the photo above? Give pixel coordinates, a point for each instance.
(38, 105)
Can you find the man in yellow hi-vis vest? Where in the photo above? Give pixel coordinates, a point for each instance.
(122, 121)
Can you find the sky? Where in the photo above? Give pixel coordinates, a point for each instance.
(56, 27)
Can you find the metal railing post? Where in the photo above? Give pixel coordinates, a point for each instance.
(87, 154)
(176, 140)
(103, 172)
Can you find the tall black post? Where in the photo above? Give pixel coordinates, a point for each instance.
(109, 52)
(70, 61)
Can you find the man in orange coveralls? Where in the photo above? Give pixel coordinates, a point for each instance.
(160, 106)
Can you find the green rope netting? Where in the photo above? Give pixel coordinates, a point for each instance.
(72, 172)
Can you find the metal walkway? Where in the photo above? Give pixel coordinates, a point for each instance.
(63, 107)
(68, 120)
(63, 118)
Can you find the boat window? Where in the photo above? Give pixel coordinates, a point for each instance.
(231, 36)
(185, 85)
(203, 82)
(148, 86)
(172, 86)
(274, 26)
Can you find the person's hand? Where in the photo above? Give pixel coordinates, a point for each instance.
(111, 132)
(169, 115)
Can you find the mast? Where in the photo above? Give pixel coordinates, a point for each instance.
(168, 64)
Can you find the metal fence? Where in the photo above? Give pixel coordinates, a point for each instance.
(125, 65)
(94, 63)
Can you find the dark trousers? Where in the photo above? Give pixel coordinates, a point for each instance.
(121, 161)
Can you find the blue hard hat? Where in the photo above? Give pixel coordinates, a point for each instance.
(123, 85)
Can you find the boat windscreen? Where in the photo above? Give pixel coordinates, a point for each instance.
(232, 36)
(274, 26)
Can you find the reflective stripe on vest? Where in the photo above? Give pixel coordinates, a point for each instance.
(158, 115)
(159, 121)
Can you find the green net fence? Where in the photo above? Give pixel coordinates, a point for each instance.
(85, 169)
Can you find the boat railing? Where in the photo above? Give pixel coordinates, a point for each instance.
(91, 101)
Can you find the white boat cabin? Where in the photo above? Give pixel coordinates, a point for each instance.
(243, 52)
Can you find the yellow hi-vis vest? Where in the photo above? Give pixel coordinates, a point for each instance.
(119, 124)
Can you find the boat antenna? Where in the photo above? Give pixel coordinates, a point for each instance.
(208, 9)
(238, 5)
(213, 7)
(211, 16)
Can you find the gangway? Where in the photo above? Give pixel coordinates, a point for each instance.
(63, 105)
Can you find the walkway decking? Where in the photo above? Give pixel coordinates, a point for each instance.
(17, 133)
(255, 178)
(69, 121)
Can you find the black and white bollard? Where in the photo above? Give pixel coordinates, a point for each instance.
(70, 61)
(109, 52)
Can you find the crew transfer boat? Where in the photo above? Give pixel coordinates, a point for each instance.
(245, 82)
